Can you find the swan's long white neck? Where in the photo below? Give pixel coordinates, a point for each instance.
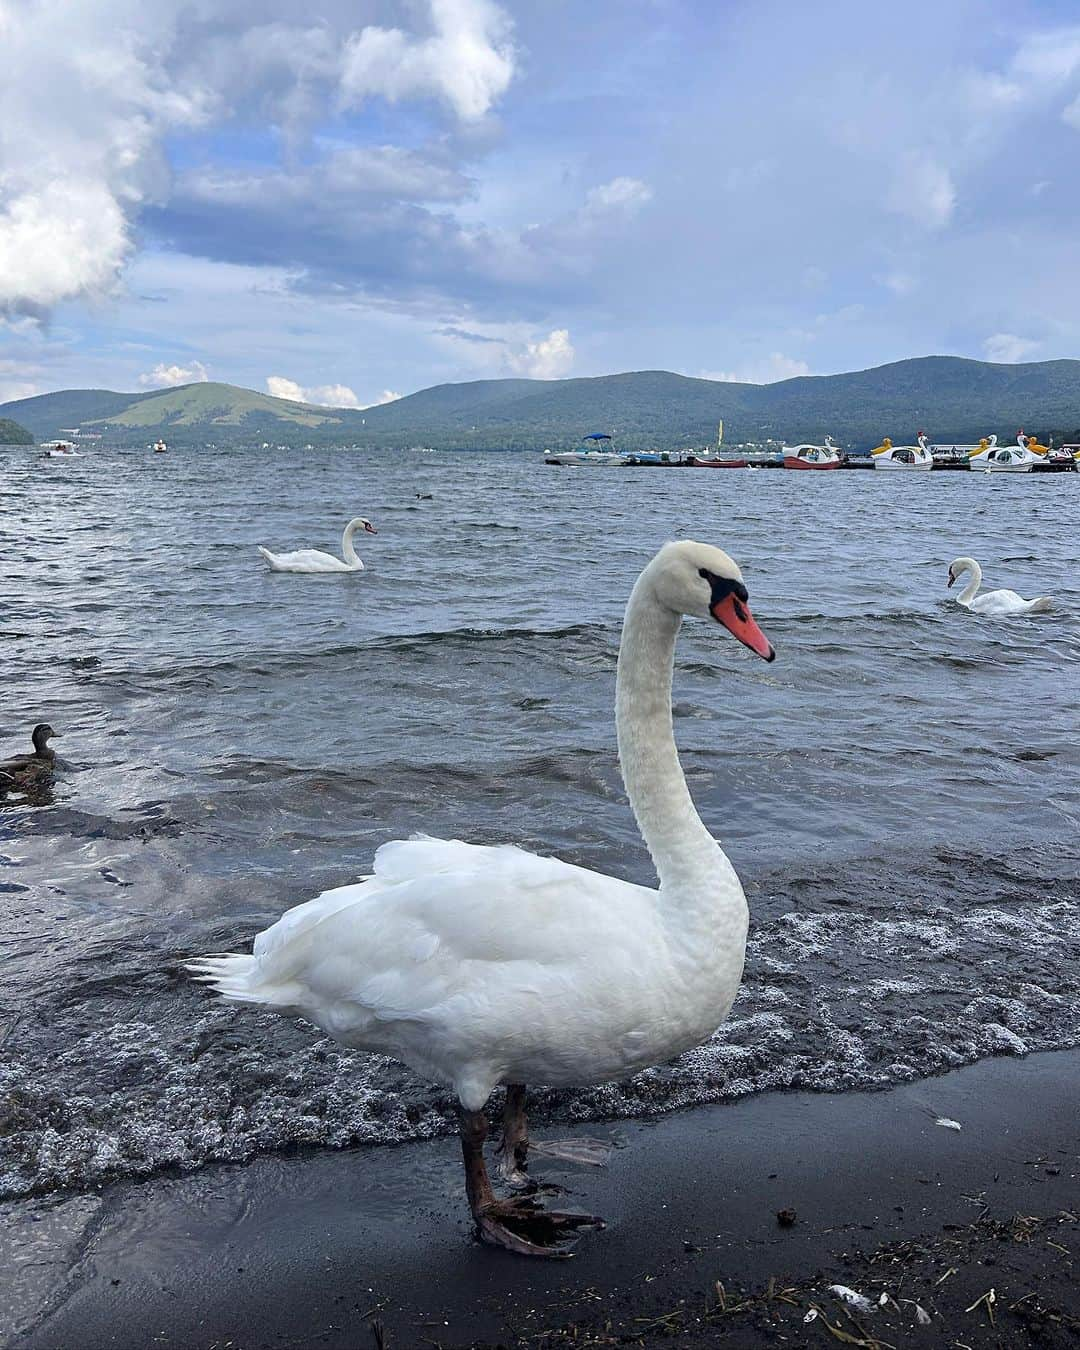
(347, 551)
(971, 589)
(690, 864)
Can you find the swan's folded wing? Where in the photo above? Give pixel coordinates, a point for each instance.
(311, 559)
(442, 920)
(500, 902)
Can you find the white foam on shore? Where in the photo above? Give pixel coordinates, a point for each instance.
(831, 1001)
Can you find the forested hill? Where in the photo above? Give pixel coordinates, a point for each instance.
(951, 398)
(13, 434)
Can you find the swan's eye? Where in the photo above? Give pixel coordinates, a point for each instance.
(722, 587)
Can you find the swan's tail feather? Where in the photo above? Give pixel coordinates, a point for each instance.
(232, 976)
(1042, 604)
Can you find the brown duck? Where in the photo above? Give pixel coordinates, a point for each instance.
(21, 769)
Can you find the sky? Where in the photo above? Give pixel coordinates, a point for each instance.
(349, 200)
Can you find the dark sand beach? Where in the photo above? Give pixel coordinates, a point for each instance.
(977, 1227)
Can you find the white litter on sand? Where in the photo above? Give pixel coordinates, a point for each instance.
(852, 1298)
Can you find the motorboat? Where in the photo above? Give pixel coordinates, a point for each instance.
(160, 447)
(59, 450)
(716, 462)
(805, 456)
(904, 457)
(596, 450)
(656, 458)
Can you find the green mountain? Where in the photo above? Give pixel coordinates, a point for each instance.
(189, 415)
(13, 434)
(210, 405)
(951, 398)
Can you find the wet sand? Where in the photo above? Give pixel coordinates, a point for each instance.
(978, 1227)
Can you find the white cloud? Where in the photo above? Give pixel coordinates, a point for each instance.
(900, 283)
(546, 359)
(168, 377)
(324, 395)
(1052, 56)
(77, 167)
(922, 189)
(60, 239)
(621, 194)
(467, 61)
(772, 368)
(10, 390)
(92, 93)
(1008, 348)
(14, 382)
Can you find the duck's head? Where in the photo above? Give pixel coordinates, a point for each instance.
(704, 583)
(41, 735)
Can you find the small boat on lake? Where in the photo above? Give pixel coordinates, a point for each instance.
(597, 451)
(825, 456)
(989, 457)
(59, 450)
(716, 462)
(656, 458)
(903, 457)
(160, 447)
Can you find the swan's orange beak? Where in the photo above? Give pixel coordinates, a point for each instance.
(735, 615)
(370, 528)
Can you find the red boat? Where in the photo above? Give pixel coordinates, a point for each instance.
(812, 456)
(696, 463)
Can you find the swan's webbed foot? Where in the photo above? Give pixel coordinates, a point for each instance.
(519, 1224)
(586, 1151)
(513, 1151)
(522, 1225)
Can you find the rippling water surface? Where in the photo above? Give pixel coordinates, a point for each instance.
(899, 791)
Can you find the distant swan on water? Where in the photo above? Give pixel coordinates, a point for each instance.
(479, 965)
(992, 602)
(312, 560)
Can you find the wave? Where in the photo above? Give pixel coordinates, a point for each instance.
(891, 970)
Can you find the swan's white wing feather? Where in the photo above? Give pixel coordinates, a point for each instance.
(308, 560)
(465, 938)
(1008, 602)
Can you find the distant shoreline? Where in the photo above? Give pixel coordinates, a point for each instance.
(952, 398)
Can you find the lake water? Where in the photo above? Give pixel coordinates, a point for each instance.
(899, 790)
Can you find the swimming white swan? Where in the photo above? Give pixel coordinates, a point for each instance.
(480, 965)
(992, 602)
(311, 560)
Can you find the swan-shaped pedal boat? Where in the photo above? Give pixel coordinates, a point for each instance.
(903, 457)
(992, 602)
(313, 561)
(479, 966)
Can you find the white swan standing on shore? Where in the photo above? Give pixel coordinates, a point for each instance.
(485, 965)
(312, 560)
(992, 602)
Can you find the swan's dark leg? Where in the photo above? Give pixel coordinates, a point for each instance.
(520, 1224)
(515, 1146)
(514, 1149)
